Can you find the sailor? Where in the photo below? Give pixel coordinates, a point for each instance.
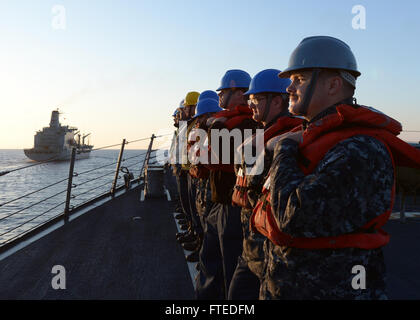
(192, 241)
(331, 185)
(269, 102)
(208, 104)
(181, 175)
(176, 118)
(206, 108)
(172, 163)
(222, 243)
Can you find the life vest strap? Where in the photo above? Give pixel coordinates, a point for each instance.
(240, 195)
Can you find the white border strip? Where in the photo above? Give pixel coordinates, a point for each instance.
(168, 195)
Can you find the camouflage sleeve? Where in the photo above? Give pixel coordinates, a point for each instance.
(350, 186)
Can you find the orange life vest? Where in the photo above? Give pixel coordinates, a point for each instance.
(234, 118)
(317, 140)
(240, 191)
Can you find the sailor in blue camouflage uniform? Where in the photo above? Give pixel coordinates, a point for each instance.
(269, 101)
(203, 199)
(222, 244)
(203, 204)
(349, 187)
(203, 194)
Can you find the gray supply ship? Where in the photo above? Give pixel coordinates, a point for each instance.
(56, 142)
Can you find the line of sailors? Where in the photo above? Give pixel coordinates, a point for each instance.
(296, 229)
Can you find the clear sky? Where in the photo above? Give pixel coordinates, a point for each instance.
(120, 68)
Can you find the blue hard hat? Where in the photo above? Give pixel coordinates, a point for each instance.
(268, 81)
(208, 94)
(322, 52)
(235, 79)
(207, 105)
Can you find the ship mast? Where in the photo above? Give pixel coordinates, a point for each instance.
(83, 138)
(55, 123)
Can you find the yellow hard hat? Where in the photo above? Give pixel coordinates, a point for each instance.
(191, 98)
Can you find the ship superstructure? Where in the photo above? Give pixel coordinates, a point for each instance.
(56, 142)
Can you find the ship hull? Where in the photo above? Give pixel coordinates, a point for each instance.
(65, 155)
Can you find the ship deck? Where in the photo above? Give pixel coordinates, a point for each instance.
(126, 249)
(106, 255)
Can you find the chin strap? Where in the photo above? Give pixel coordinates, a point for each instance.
(309, 92)
(283, 113)
(267, 107)
(228, 99)
(276, 117)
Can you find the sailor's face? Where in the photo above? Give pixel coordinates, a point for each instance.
(223, 94)
(257, 103)
(296, 90)
(192, 111)
(324, 92)
(189, 111)
(202, 120)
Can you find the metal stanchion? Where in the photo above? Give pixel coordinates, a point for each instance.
(69, 185)
(146, 158)
(117, 170)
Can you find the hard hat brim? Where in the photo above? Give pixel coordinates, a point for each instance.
(286, 73)
(221, 88)
(262, 91)
(200, 114)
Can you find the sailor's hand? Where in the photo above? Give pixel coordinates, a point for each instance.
(272, 143)
(221, 120)
(296, 136)
(210, 121)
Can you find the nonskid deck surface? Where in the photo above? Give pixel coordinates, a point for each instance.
(402, 257)
(125, 249)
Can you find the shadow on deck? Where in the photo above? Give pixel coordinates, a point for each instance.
(106, 254)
